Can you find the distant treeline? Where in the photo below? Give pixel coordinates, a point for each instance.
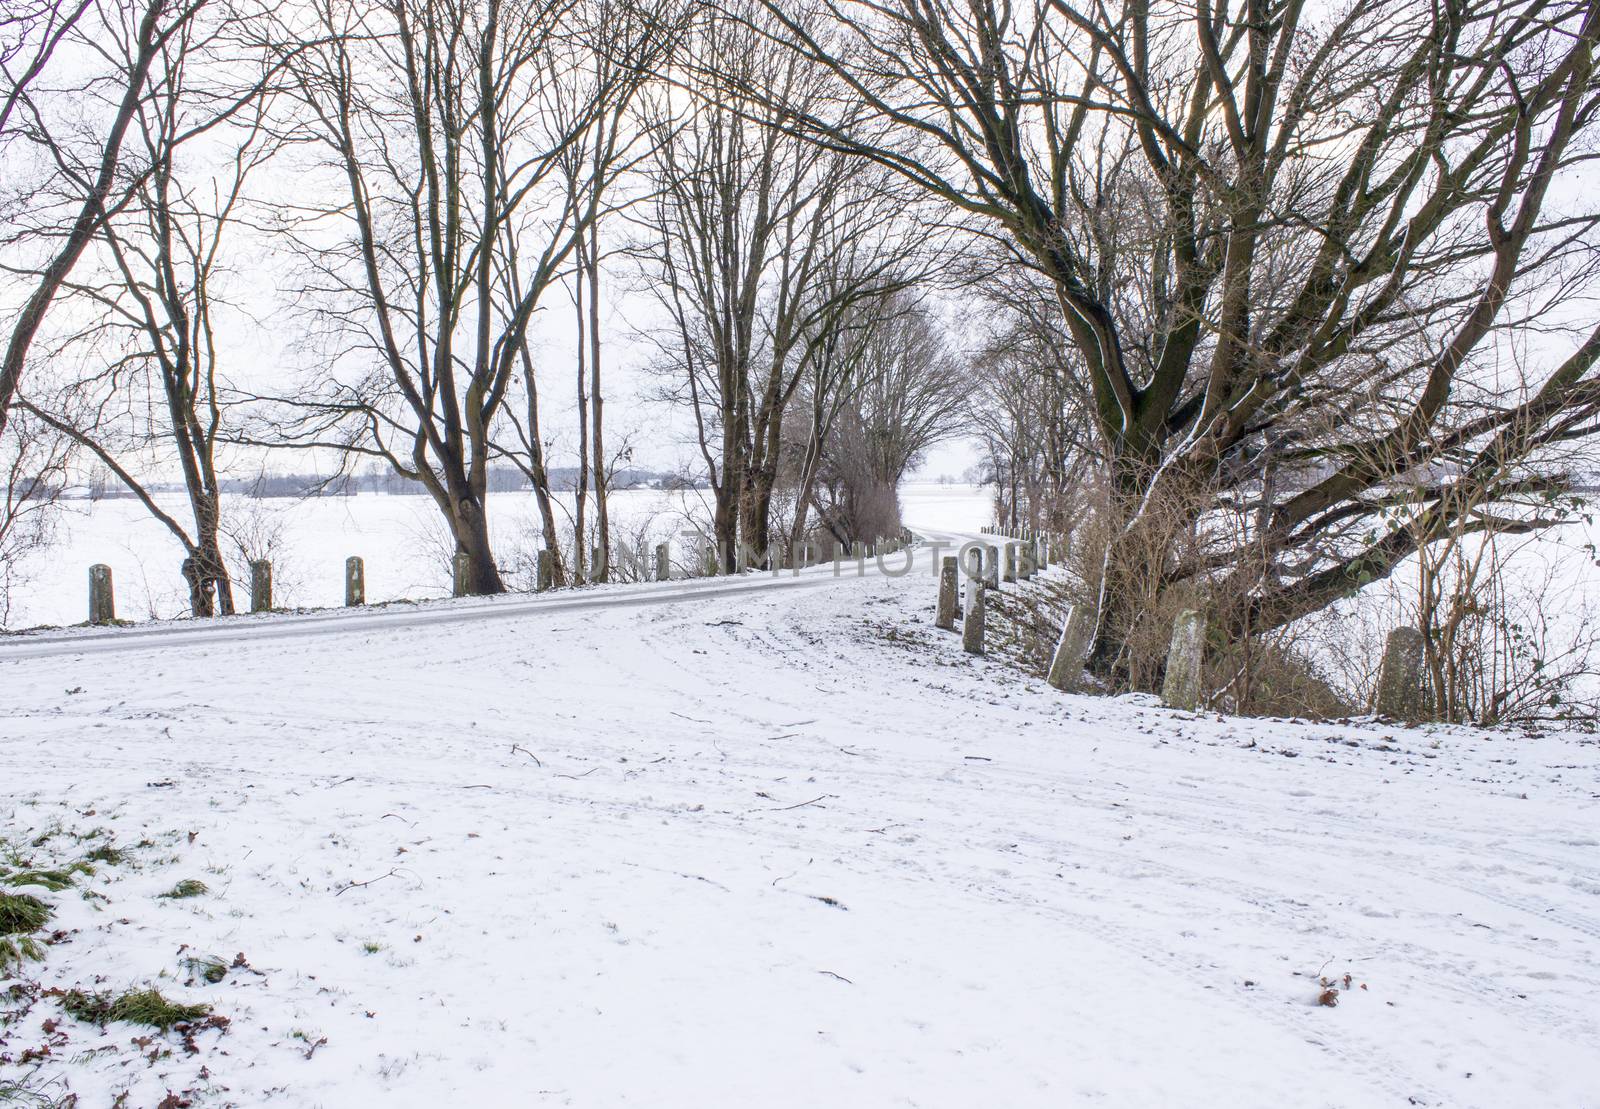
(502, 479)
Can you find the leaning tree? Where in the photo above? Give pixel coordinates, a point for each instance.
(1305, 253)
(74, 75)
(137, 379)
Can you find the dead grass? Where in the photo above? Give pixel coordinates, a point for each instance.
(145, 1007)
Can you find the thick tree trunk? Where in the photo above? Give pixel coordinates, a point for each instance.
(205, 573)
(470, 525)
(725, 526)
(1143, 528)
(755, 513)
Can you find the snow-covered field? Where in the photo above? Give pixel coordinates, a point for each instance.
(775, 842)
(400, 539)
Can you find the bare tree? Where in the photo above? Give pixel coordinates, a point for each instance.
(595, 165)
(1244, 210)
(908, 392)
(1029, 409)
(828, 385)
(82, 177)
(757, 245)
(149, 395)
(448, 123)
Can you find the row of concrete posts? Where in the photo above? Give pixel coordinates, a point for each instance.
(1399, 690)
(102, 594)
(103, 597)
(987, 567)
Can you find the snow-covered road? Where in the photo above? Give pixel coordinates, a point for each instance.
(764, 844)
(82, 639)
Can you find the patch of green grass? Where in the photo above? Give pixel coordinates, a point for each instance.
(106, 853)
(22, 912)
(371, 948)
(52, 880)
(146, 1007)
(189, 887)
(91, 1008)
(14, 949)
(208, 967)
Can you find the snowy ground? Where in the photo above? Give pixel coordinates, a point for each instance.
(781, 845)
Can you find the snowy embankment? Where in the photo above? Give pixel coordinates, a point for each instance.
(776, 847)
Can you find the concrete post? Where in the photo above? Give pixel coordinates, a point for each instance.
(972, 622)
(1025, 555)
(355, 582)
(1066, 666)
(948, 592)
(1400, 677)
(102, 600)
(991, 567)
(597, 565)
(663, 561)
(1008, 563)
(709, 560)
(261, 586)
(545, 572)
(1041, 548)
(970, 560)
(460, 574)
(1181, 687)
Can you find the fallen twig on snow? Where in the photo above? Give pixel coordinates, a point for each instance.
(801, 805)
(369, 882)
(575, 777)
(786, 877)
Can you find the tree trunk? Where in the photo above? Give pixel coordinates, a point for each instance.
(210, 589)
(805, 489)
(471, 527)
(755, 512)
(581, 493)
(725, 526)
(602, 518)
(538, 474)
